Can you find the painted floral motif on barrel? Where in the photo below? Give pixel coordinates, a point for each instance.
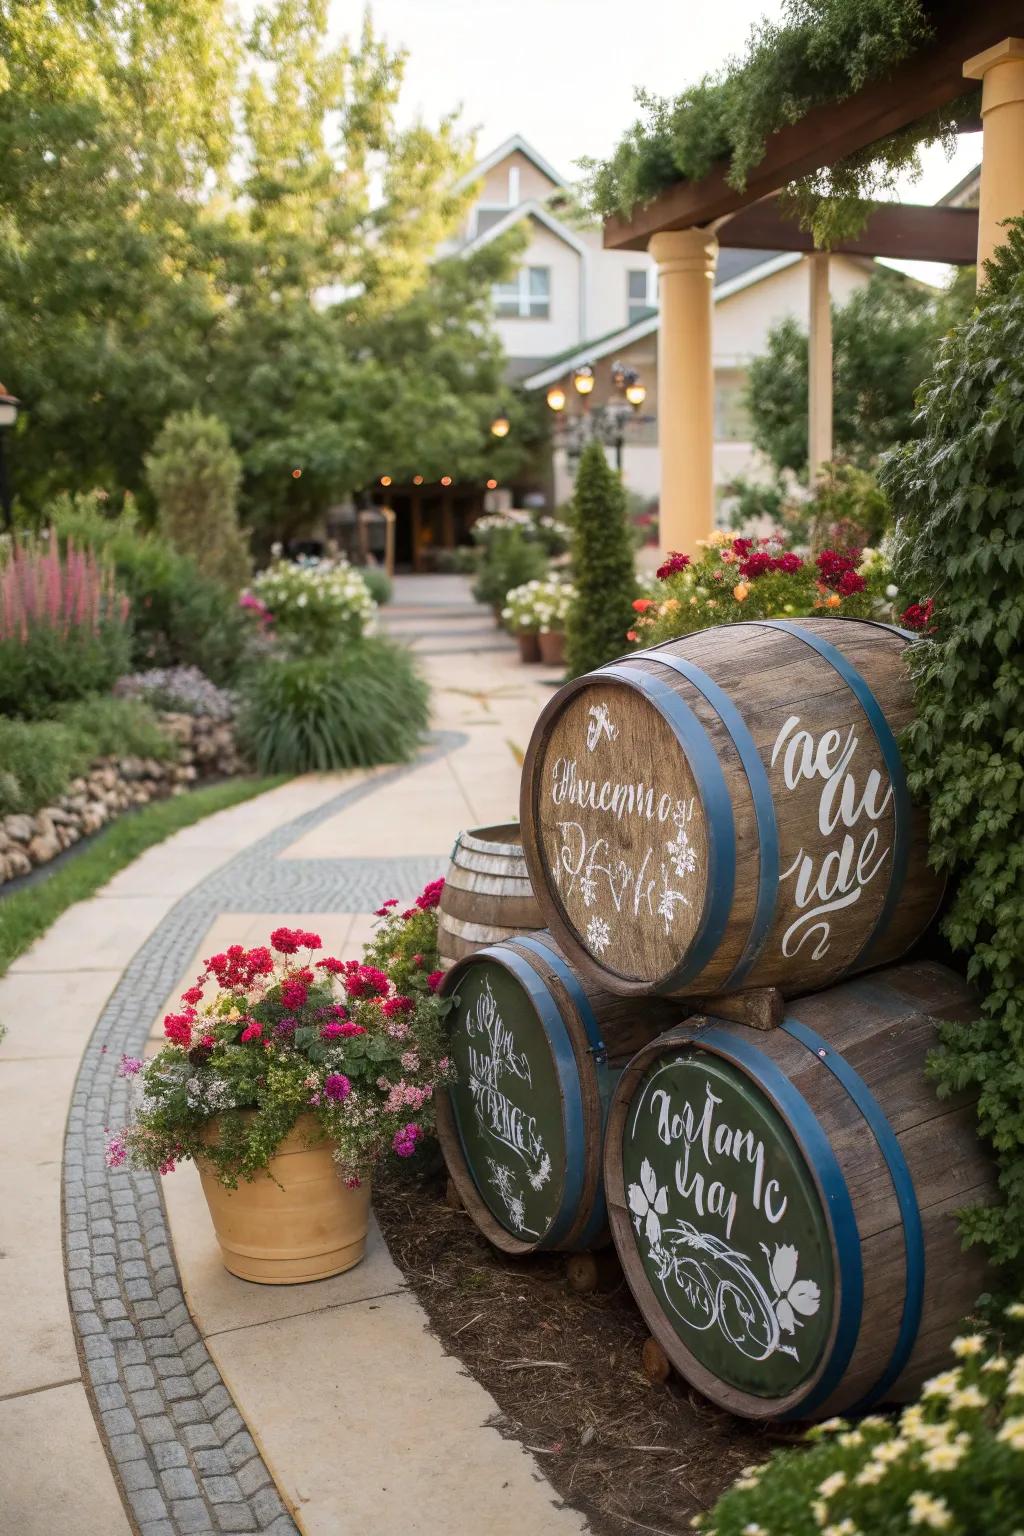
(728, 1224)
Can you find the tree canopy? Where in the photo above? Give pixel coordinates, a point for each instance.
(201, 214)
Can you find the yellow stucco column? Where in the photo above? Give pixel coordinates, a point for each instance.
(1001, 71)
(686, 390)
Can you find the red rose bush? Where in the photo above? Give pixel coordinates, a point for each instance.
(268, 1034)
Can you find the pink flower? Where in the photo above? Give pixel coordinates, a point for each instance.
(130, 1065)
(332, 966)
(394, 1007)
(285, 941)
(385, 907)
(293, 993)
(430, 895)
(673, 565)
(337, 1086)
(252, 1032)
(410, 1061)
(336, 1031)
(405, 1140)
(434, 980)
(178, 1029)
(117, 1150)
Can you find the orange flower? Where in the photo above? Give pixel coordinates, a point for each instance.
(641, 604)
(631, 634)
(741, 592)
(833, 600)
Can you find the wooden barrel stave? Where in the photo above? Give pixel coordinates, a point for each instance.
(875, 1030)
(487, 894)
(738, 686)
(601, 1032)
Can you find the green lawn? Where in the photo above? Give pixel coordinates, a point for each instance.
(27, 913)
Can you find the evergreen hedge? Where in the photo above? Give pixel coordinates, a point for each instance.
(602, 564)
(959, 492)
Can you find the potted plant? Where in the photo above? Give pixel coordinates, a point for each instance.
(286, 1078)
(539, 609)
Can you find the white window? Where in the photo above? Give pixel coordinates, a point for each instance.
(513, 186)
(526, 297)
(640, 294)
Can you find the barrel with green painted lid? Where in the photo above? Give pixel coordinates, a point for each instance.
(784, 1203)
(537, 1050)
(487, 894)
(729, 810)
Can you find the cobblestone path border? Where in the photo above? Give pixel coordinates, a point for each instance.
(185, 1462)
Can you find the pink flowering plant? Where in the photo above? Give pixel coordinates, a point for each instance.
(269, 1034)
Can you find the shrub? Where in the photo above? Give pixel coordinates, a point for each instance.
(182, 689)
(194, 474)
(960, 544)
(378, 583)
(542, 606)
(511, 557)
(313, 608)
(733, 580)
(63, 628)
(602, 564)
(39, 758)
(353, 708)
(180, 616)
(952, 1462)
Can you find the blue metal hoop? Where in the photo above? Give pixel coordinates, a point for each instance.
(906, 1199)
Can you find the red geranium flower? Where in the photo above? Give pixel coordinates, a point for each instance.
(673, 565)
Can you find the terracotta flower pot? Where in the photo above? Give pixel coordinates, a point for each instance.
(529, 645)
(296, 1221)
(552, 647)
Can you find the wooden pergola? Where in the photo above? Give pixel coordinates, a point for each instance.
(684, 225)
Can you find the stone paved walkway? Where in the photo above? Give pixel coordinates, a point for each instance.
(157, 1392)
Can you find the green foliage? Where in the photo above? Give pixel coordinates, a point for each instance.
(354, 708)
(511, 557)
(39, 758)
(821, 51)
(952, 1462)
(379, 583)
(194, 475)
(179, 615)
(404, 946)
(960, 491)
(26, 914)
(602, 565)
(884, 340)
(218, 209)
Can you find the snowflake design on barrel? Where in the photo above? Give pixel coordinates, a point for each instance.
(599, 935)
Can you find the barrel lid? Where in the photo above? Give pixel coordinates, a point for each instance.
(619, 822)
(508, 1100)
(727, 1223)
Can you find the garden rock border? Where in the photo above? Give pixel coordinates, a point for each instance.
(113, 785)
(180, 1450)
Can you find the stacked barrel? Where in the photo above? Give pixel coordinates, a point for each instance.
(723, 818)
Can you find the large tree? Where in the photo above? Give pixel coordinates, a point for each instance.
(200, 217)
(884, 341)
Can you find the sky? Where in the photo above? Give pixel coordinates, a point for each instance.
(563, 72)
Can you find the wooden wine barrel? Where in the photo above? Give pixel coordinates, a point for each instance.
(487, 893)
(538, 1051)
(784, 1204)
(730, 811)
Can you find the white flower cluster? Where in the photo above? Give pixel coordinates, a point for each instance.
(328, 591)
(539, 605)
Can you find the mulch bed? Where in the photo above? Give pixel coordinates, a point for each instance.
(565, 1370)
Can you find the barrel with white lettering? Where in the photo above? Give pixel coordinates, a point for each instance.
(784, 1204)
(537, 1050)
(730, 811)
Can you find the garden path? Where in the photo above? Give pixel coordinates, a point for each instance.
(134, 1368)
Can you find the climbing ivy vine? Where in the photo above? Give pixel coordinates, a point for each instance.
(821, 51)
(959, 490)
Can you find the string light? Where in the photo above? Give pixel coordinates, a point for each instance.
(385, 479)
(492, 485)
(446, 479)
(417, 479)
(500, 426)
(296, 474)
(556, 398)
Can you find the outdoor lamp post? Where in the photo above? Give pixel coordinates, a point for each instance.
(8, 416)
(606, 423)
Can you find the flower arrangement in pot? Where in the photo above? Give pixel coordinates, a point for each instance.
(539, 610)
(287, 1075)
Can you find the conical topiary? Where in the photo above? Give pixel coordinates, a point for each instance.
(603, 566)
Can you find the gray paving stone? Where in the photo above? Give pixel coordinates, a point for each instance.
(216, 1400)
(252, 1476)
(196, 1435)
(235, 1517)
(125, 1448)
(240, 1448)
(109, 1395)
(222, 1490)
(138, 1290)
(102, 1372)
(266, 1505)
(211, 1462)
(147, 1402)
(137, 1474)
(157, 1428)
(157, 1528)
(119, 1421)
(147, 1504)
(179, 1483)
(169, 1453)
(138, 1377)
(188, 1411)
(206, 1376)
(192, 1517)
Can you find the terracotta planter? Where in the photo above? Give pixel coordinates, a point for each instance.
(552, 648)
(529, 645)
(294, 1222)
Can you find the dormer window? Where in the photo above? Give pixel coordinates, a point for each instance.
(526, 297)
(513, 186)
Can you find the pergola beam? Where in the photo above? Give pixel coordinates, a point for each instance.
(932, 78)
(911, 231)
